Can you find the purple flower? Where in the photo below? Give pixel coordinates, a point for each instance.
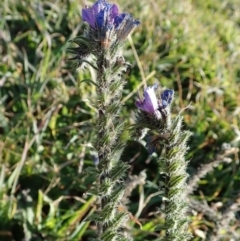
(124, 24)
(166, 98)
(150, 103)
(96, 14)
(105, 17)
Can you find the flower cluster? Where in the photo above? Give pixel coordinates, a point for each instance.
(151, 105)
(106, 19)
(107, 30)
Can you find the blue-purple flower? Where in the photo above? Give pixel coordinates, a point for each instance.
(105, 17)
(150, 103)
(166, 98)
(124, 24)
(94, 14)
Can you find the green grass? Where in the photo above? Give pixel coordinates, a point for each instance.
(47, 120)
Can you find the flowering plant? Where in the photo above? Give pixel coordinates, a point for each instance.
(110, 24)
(165, 137)
(99, 47)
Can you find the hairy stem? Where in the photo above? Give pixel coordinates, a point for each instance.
(175, 183)
(102, 152)
(165, 137)
(109, 146)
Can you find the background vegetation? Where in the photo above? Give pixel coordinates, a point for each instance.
(47, 120)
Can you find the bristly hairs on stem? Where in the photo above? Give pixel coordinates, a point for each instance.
(99, 47)
(165, 135)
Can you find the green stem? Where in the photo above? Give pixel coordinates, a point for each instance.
(109, 147)
(102, 152)
(176, 222)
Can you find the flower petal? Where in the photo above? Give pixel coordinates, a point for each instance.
(150, 103)
(113, 11)
(166, 98)
(89, 14)
(105, 17)
(124, 23)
